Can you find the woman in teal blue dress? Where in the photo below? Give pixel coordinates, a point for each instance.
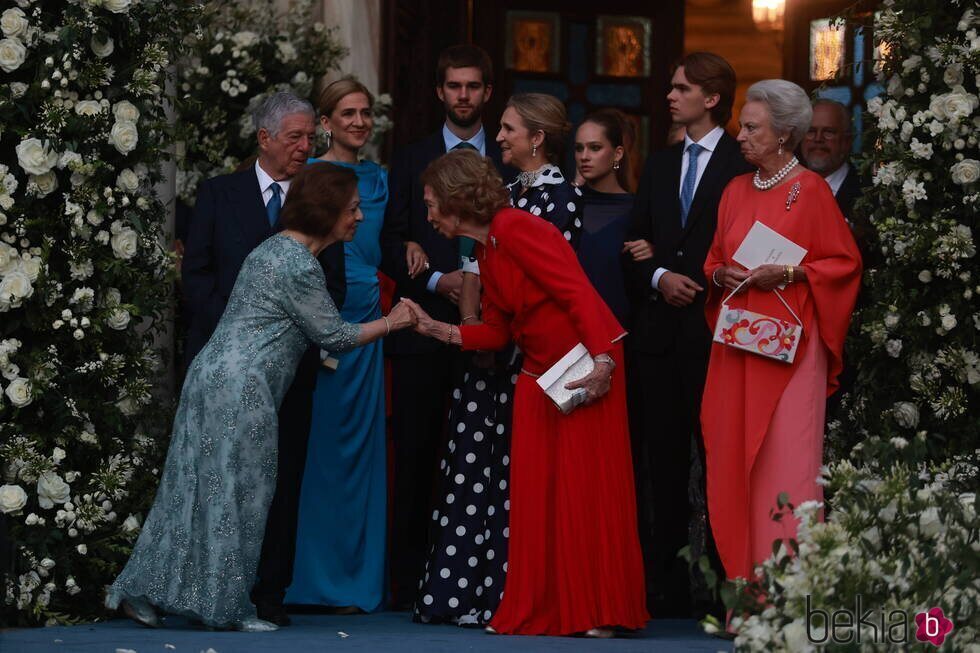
(341, 536)
(199, 547)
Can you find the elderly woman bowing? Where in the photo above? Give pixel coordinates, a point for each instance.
(763, 417)
(574, 555)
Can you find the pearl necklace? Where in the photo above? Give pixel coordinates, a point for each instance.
(776, 178)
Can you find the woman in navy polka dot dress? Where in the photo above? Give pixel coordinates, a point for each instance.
(464, 574)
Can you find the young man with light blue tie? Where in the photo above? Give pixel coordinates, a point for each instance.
(676, 210)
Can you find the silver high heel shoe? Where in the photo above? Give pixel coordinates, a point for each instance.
(141, 612)
(600, 633)
(255, 625)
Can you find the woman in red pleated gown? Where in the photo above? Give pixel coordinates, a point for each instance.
(574, 555)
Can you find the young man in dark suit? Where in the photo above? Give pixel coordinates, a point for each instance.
(422, 367)
(676, 210)
(233, 214)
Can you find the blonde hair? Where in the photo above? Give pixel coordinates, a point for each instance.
(334, 92)
(466, 185)
(545, 113)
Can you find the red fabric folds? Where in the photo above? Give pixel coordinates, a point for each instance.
(574, 560)
(742, 389)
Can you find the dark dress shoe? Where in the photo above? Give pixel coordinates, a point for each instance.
(275, 614)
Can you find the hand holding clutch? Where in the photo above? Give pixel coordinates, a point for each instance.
(596, 383)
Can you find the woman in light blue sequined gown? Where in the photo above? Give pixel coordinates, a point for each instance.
(198, 551)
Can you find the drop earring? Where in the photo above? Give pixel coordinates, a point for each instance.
(329, 135)
(780, 147)
(534, 150)
(616, 164)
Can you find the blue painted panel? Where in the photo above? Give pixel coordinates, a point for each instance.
(873, 90)
(549, 86)
(578, 44)
(615, 95)
(840, 94)
(576, 113)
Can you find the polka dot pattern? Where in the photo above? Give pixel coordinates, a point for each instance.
(469, 541)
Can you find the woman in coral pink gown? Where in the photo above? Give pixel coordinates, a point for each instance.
(574, 555)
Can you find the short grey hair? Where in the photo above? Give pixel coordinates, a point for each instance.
(789, 108)
(270, 112)
(845, 115)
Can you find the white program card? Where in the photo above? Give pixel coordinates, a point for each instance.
(763, 245)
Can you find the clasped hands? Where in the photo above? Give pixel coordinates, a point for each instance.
(764, 277)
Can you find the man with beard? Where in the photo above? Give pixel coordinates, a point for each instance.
(422, 367)
(825, 150)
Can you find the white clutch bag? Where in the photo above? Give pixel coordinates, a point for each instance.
(572, 367)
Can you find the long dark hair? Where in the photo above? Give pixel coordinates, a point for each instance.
(620, 133)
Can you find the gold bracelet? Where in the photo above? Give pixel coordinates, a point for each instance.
(789, 274)
(387, 325)
(468, 317)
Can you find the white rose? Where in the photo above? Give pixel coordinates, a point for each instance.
(68, 158)
(12, 55)
(19, 392)
(894, 348)
(131, 525)
(17, 89)
(245, 39)
(7, 256)
(36, 157)
(906, 414)
(52, 489)
(102, 49)
(125, 111)
(285, 51)
(929, 522)
(118, 319)
(117, 6)
(82, 549)
(127, 181)
(12, 498)
(88, 108)
(948, 322)
(31, 265)
(58, 454)
(953, 76)
(46, 183)
(958, 104)
(124, 243)
(13, 22)
(966, 171)
(124, 136)
(16, 285)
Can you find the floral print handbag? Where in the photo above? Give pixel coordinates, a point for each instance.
(757, 333)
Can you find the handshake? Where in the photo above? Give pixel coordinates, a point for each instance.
(407, 313)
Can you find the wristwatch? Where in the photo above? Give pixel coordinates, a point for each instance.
(606, 358)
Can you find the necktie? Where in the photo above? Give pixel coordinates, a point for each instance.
(690, 179)
(463, 145)
(274, 205)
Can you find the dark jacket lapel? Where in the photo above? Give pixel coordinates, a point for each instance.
(250, 209)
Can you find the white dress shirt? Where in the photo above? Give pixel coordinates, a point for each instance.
(837, 177)
(479, 141)
(265, 185)
(709, 142)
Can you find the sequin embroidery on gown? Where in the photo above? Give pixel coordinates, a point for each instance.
(199, 547)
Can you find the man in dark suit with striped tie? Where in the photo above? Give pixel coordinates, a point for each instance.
(676, 210)
(233, 214)
(422, 367)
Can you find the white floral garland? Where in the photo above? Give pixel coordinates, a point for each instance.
(83, 277)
